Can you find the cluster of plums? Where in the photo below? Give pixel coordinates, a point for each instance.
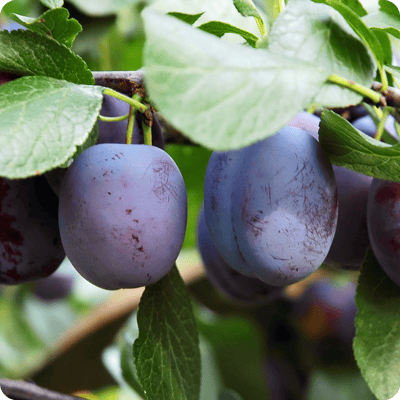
(273, 213)
(276, 210)
(120, 214)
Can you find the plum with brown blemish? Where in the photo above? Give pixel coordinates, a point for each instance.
(280, 211)
(30, 244)
(236, 286)
(383, 218)
(125, 228)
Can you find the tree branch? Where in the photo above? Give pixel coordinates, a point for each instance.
(20, 390)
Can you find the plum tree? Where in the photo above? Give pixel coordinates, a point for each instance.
(271, 208)
(30, 245)
(53, 288)
(383, 218)
(122, 214)
(233, 284)
(351, 241)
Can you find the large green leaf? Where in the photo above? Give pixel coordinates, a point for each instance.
(42, 123)
(166, 353)
(377, 341)
(29, 53)
(359, 27)
(347, 146)
(323, 37)
(222, 95)
(387, 19)
(53, 23)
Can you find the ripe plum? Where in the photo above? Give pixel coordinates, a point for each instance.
(122, 213)
(236, 286)
(273, 205)
(351, 240)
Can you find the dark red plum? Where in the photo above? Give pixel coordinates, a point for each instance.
(122, 213)
(273, 205)
(53, 288)
(30, 245)
(383, 217)
(236, 286)
(327, 310)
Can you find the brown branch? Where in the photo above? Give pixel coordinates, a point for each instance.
(20, 390)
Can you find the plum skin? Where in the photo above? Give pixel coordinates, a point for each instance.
(277, 199)
(237, 287)
(351, 239)
(122, 213)
(30, 244)
(383, 218)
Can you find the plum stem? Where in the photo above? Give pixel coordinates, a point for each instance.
(113, 119)
(147, 134)
(355, 87)
(137, 105)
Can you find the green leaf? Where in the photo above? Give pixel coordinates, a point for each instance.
(166, 353)
(28, 53)
(53, 23)
(238, 344)
(347, 146)
(359, 27)
(246, 8)
(377, 341)
(388, 22)
(356, 6)
(338, 385)
(53, 3)
(42, 122)
(322, 36)
(100, 8)
(389, 7)
(222, 95)
(387, 137)
(219, 29)
(386, 45)
(188, 18)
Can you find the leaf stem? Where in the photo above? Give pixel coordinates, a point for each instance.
(134, 103)
(364, 91)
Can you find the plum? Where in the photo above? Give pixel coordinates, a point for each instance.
(383, 218)
(122, 213)
(236, 286)
(271, 208)
(30, 245)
